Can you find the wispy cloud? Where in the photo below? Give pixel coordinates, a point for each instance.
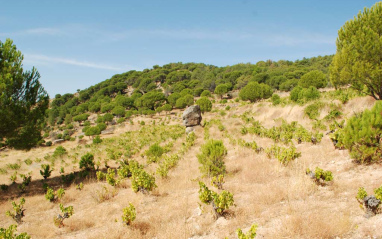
(42, 59)
(40, 31)
(266, 37)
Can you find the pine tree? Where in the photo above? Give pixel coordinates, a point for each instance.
(358, 57)
(23, 100)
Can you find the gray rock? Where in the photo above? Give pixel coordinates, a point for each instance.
(192, 116)
(107, 131)
(58, 141)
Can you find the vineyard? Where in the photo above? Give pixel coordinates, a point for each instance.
(265, 169)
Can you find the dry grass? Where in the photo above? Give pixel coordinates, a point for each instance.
(282, 200)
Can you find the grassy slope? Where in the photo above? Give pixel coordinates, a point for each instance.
(281, 200)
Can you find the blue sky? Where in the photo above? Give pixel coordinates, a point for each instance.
(76, 44)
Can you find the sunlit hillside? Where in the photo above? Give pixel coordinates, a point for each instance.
(269, 190)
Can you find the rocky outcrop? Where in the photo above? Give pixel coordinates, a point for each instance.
(192, 116)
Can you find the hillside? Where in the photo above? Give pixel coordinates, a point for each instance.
(280, 198)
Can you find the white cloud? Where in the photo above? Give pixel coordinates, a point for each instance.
(42, 59)
(266, 37)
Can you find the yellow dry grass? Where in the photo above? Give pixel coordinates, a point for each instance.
(282, 200)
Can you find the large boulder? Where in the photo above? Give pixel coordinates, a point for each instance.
(192, 116)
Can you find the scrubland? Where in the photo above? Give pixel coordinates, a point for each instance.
(280, 198)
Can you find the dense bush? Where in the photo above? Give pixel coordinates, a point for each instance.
(255, 91)
(362, 135)
(205, 93)
(276, 100)
(314, 78)
(81, 117)
(154, 152)
(313, 110)
(97, 140)
(302, 95)
(59, 151)
(87, 162)
(142, 181)
(319, 175)
(205, 104)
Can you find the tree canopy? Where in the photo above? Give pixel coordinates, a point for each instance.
(255, 91)
(23, 100)
(358, 57)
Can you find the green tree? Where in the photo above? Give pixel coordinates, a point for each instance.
(173, 98)
(92, 131)
(220, 90)
(184, 101)
(313, 78)
(118, 111)
(206, 93)
(255, 91)
(150, 100)
(205, 104)
(23, 100)
(358, 57)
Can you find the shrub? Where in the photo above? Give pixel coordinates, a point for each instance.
(205, 93)
(250, 234)
(154, 152)
(314, 78)
(142, 181)
(67, 179)
(129, 214)
(221, 89)
(9, 233)
(87, 162)
(97, 140)
(211, 158)
(66, 213)
(320, 176)
(81, 117)
(313, 110)
(362, 135)
(45, 171)
(371, 204)
(307, 94)
(284, 155)
(28, 161)
(101, 126)
(49, 143)
(184, 101)
(91, 131)
(54, 196)
(59, 151)
(220, 202)
(254, 91)
(80, 186)
(295, 93)
(276, 100)
(110, 177)
(205, 104)
(18, 211)
(218, 181)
